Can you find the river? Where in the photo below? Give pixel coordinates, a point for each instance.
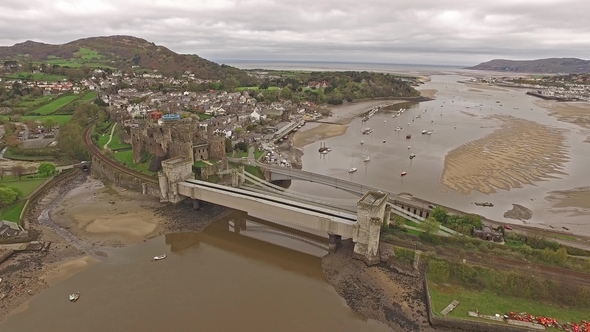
(456, 105)
(257, 279)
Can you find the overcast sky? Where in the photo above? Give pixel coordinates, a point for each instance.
(456, 32)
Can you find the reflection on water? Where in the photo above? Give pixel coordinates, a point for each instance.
(239, 274)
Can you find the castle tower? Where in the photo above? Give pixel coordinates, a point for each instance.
(372, 211)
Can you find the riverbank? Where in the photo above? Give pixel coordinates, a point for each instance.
(377, 292)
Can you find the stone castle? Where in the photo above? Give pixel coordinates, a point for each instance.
(180, 138)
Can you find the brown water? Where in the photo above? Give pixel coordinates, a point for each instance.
(454, 100)
(219, 280)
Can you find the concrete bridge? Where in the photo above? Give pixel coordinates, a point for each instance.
(416, 208)
(177, 183)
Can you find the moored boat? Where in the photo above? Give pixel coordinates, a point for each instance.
(367, 159)
(404, 173)
(352, 170)
(159, 257)
(74, 297)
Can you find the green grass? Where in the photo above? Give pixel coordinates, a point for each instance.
(36, 77)
(9, 154)
(114, 144)
(489, 303)
(12, 213)
(90, 96)
(103, 139)
(61, 119)
(258, 153)
(126, 157)
(203, 116)
(55, 105)
(254, 170)
(26, 185)
(88, 54)
(35, 102)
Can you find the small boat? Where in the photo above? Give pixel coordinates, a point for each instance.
(362, 142)
(412, 155)
(352, 170)
(424, 132)
(384, 120)
(404, 173)
(324, 152)
(159, 257)
(367, 159)
(486, 204)
(384, 141)
(429, 132)
(408, 136)
(74, 297)
(409, 147)
(329, 150)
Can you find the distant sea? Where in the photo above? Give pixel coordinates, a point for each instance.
(342, 66)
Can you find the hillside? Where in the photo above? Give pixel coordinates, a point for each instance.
(121, 52)
(544, 66)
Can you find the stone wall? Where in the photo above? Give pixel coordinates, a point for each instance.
(371, 213)
(124, 180)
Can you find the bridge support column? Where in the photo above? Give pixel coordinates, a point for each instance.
(371, 214)
(335, 242)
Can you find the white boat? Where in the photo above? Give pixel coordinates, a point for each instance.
(384, 120)
(429, 132)
(424, 132)
(324, 152)
(367, 159)
(159, 257)
(74, 297)
(412, 155)
(352, 170)
(362, 142)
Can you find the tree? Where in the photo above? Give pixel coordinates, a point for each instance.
(46, 168)
(228, 146)
(18, 170)
(70, 142)
(430, 226)
(7, 196)
(49, 124)
(242, 146)
(440, 214)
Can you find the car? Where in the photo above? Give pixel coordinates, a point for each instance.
(508, 227)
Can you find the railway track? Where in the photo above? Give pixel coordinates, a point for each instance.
(96, 152)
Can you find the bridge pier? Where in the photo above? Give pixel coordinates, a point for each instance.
(372, 213)
(335, 242)
(174, 170)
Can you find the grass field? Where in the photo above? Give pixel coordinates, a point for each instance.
(25, 185)
(55, 104)
(36, 77)
(126, 157)
(90, 96)
(11, 155)
(35, 102)
(489, 303)
(114, 144)
(88, 54)
(61, 119)
(12, 213)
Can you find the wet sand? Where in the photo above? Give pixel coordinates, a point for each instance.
(106, 215)
(518, 212)
(340, 118)
(428, 93)
(520, 152)
(576, 198)
(577, 113)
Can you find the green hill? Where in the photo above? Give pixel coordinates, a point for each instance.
(121, 52)
(541, 66)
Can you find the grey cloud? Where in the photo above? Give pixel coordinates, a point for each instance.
(445, 32)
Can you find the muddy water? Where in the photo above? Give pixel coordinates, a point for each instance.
(236, 276)
(456, 105)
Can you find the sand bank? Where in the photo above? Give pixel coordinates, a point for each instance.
(576, 113)
(577, 198)
(339, 120)
(428, 93)
(106, 216)
(66, 269)
(520, 152)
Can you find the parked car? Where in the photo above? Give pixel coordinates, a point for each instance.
(508, 227)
